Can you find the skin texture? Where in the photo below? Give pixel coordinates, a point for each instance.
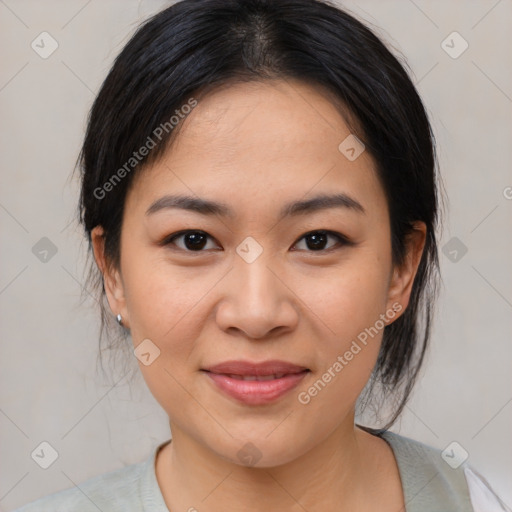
(255, 147)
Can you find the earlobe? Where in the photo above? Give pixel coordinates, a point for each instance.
(112, 281)
(403, 277)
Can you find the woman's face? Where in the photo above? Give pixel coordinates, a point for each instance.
(253, 287)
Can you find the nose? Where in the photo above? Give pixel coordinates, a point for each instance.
(256, 300)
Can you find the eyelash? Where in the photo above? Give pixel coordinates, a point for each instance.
(342, 240)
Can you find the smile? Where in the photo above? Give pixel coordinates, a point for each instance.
(255, 389)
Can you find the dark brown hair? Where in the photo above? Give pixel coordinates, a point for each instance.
(196, 45)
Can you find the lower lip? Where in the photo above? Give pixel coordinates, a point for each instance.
(254, 392)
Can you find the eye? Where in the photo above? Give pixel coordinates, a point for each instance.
(316, 240)
(193, 241)
(196, 240)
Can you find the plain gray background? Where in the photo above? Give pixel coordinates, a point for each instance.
(50, 390)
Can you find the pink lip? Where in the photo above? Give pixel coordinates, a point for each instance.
(254, 392)
(249, 368)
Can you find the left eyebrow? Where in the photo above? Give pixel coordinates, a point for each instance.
(207, 207)
(322, 202)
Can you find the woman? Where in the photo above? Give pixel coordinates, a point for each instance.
(259, 191)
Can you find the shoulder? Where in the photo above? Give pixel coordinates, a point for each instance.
(434, 477)
(430, 477)
(483, 497)
(117, 490)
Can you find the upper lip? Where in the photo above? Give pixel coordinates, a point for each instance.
(258, 369)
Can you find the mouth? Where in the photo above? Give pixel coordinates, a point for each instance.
(259, 378)
(255, 383)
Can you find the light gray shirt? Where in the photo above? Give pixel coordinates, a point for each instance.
(429, 484)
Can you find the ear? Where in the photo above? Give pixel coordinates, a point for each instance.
(402, 278)
(112, 280)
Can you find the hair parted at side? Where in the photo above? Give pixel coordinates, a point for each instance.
(195, 46)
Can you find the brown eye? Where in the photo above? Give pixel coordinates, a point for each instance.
(317, 240)
(197, 241)
(193, 241)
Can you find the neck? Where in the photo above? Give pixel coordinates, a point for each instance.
(332, 474)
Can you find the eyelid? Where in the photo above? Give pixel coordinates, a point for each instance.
(168, 239)
(343, 240)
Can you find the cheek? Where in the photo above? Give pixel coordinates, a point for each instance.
(349, 302)
(347, 350)
(168, 304)
(160, 297)
(163, 307)
(351, 296)
(173, 306)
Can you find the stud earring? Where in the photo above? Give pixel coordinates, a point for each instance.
(119, 319)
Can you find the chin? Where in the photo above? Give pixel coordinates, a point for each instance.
(262, 451)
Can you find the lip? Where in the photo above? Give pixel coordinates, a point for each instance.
(263, 368)
(256, 392)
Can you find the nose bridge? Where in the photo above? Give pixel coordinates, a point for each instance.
(256, 281)
(255, 301)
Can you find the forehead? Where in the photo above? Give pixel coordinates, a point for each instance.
(259, 142)
(269, 120)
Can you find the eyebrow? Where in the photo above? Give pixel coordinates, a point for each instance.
(207, 207)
